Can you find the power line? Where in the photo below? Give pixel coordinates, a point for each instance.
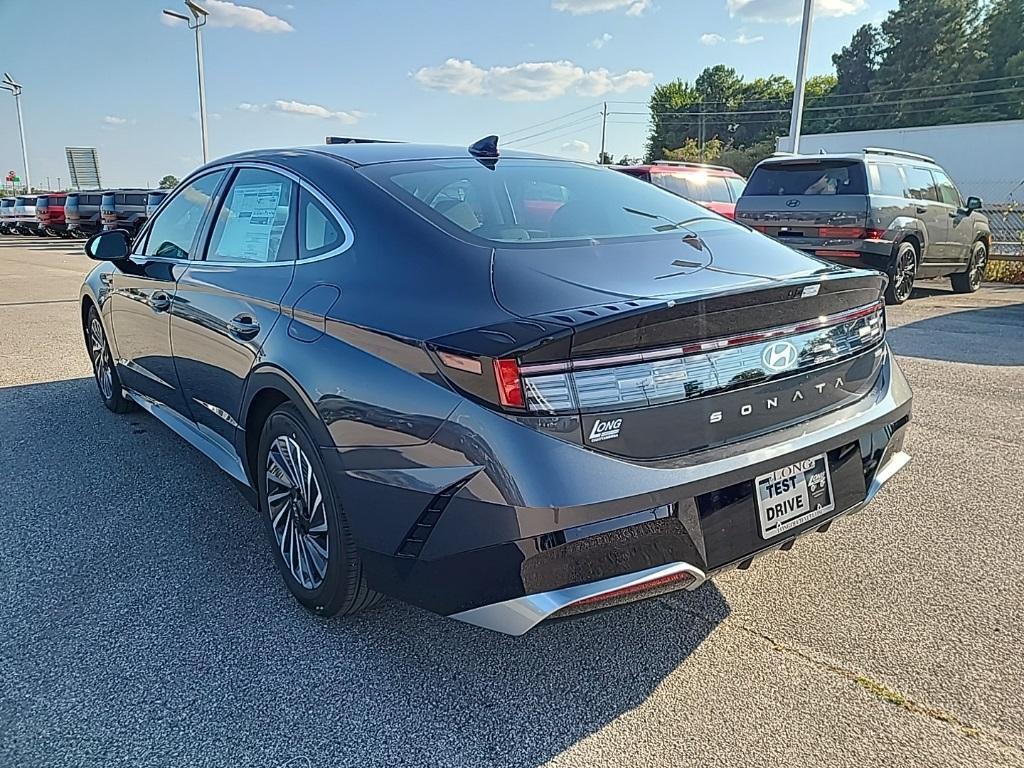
(860, 93)
(552, 120)
(593, 124)
(549, 130)
(828, 107)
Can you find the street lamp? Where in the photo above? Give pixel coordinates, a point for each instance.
(197, 22)
(797, 118)
(8, 84)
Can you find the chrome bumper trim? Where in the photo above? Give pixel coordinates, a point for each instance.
(885, 473)
(519, 615)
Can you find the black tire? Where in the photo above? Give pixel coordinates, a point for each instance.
(970, 281)
(327, 586)
(104, 372)
(902, 273)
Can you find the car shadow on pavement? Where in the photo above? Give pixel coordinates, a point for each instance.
(991, 335)
(143, 620)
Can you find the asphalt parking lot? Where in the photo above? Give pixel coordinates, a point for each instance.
(142, 622)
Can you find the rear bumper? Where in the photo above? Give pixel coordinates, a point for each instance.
(527, 526)
(519, 615)
(874, 254)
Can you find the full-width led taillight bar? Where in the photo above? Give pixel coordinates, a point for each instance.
(695, 369)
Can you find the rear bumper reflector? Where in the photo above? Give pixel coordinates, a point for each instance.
(519, 615)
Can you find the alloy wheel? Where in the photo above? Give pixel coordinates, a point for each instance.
(906, 271)
(978, 264)
(101, 363)
(297, 512)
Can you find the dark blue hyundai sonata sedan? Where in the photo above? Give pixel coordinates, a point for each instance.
(499, 386)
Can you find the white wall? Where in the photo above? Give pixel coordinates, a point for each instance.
(984, 159)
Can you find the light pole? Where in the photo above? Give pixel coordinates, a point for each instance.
(797, 118)
(8, 84)
(197, 22)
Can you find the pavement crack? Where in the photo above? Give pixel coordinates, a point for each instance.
(875, 688)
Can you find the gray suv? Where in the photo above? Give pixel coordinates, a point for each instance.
(894, 211)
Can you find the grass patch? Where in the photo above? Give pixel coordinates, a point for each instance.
(1005, 271)
(880, 691)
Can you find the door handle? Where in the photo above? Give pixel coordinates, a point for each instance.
(922, 209)
(243, 327)
(159, 301)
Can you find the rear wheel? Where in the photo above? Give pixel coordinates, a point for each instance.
(970, 281)
(902, 274)
(308, 532)
(103, 370)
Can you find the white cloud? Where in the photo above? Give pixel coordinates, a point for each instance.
(289, 107)
(600, 42)
(711, 38)
(529, 81)
(581, 7)
(790, 11)
(114, 120)
(576, 147)
(227, 14)
(744, 39)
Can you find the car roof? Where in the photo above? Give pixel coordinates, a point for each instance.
(892, 156)
(369, 153)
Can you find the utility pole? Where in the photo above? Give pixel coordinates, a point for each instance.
(796, 120)
(700, 132)
(8, 84)
(604, 130)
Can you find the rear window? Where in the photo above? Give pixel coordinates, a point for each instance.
(6, 203)
(696, 185)
(89, 199)
(533, 200)
(131, 199)
(821, 177)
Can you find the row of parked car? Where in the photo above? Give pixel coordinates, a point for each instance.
(78, 214)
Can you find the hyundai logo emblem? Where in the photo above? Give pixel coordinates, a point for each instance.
(779, 356)
(793, 203)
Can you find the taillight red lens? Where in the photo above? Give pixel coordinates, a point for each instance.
(874, 234)
(849, 232)
(510, 389)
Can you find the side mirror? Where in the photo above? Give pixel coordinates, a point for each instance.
(973, 203)
(112, 245)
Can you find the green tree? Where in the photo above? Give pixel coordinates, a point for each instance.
(1003, 40)
(856, 67)
(691, 151)
(930, 46)
(674, 107)
(168, 182)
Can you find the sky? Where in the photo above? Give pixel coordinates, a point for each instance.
(123, 79)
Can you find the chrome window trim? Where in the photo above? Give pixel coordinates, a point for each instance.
(303, 184)
(143, 237)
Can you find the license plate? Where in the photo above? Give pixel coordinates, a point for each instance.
(790, 496)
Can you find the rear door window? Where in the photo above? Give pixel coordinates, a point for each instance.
(173, 231)
(256, 222)
(821, 177)
(920, 184)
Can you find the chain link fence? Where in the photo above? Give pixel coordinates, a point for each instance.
(1007, 222)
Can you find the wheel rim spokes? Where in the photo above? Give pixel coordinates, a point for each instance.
(297, 512)
(101, 364)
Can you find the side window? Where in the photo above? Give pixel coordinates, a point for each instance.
(920, 184)
(948, 193)
(887, 180)
(736, 186)
(255, 224)
(319, 232)
(173, 231)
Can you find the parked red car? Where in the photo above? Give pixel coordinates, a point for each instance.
(50, 214)
(713, 186)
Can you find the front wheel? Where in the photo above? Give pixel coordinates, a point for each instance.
(902, 274)
(308, 532)
(970, 281)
